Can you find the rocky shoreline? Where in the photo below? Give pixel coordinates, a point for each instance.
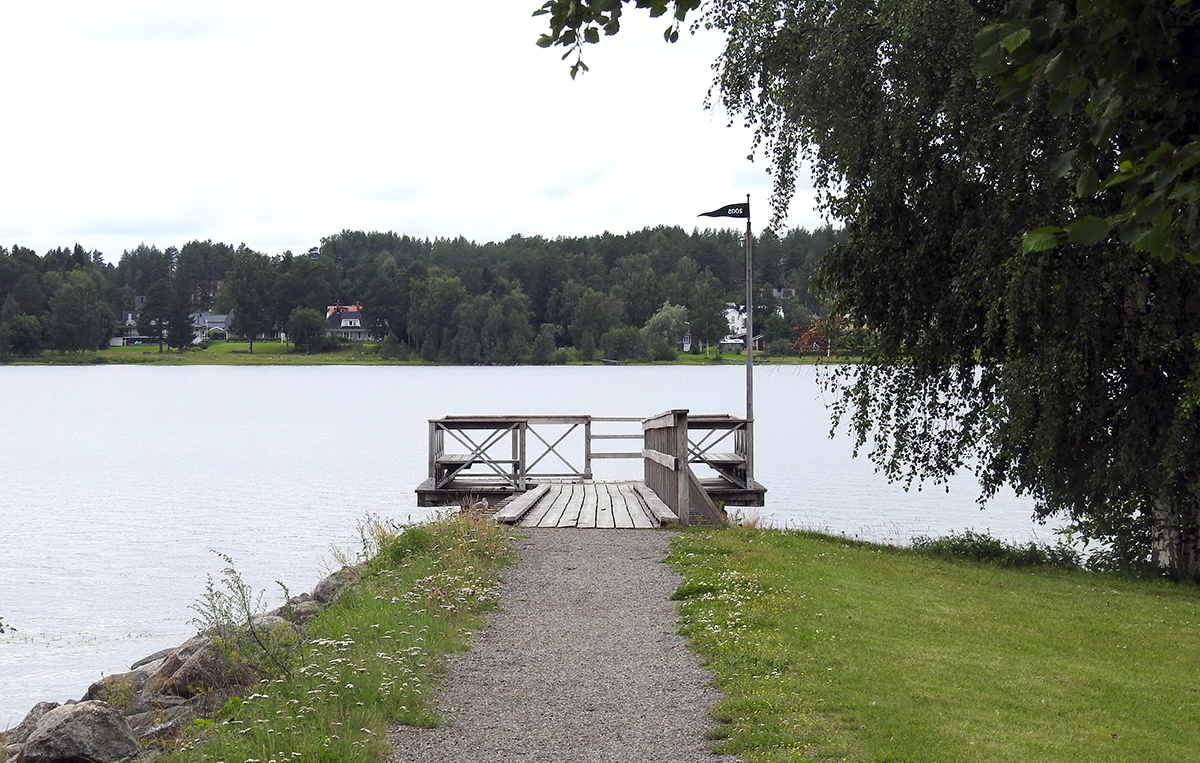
(128, 715)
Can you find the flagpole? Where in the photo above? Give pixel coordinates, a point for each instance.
(749, 352)
(738, 210)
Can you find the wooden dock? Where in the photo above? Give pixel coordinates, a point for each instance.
(539, 468)
(587, 505)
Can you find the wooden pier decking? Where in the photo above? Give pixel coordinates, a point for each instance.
(539, 468)
(589, 505)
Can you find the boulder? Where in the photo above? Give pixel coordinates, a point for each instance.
(148, 702)
(80, 732)
(163, 723)
(270, 623)
(156, 657)
(173, 660)
(299, 609)
(119, 690)
(19, 733)
(331, 587)
(188, 672)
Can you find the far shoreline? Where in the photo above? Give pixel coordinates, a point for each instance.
(275, 353)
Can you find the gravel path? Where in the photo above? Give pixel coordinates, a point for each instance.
(581, 663)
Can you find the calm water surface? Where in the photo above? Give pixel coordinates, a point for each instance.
(117, 483)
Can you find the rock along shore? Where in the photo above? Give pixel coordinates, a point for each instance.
(124, 715)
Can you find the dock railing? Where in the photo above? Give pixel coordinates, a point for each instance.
(510, 452)
(667, 454)
(707, 433)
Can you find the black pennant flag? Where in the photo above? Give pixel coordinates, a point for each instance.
(729, 210)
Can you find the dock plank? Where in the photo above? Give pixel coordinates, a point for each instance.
(571, 509)
(591, 508)
(637, 510)
(587, 507)
(560, 505)
(658, 508)
(520, 505)
(622, 511)
(604, 514)
(535, 517)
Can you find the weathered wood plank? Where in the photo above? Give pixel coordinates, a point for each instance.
(591, 508)
(701, 503)
(520, 505)
(622, 519)
(723, 458)
(587, 508)
(661, 512)
(544, 507)
(661, 421)
(570, 515)
(637, 510)
(662, 459)
(604, 513)
(560, 505)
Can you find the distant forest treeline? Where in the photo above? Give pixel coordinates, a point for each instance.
(626, 295)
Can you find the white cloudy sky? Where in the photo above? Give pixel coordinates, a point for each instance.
(276, 123)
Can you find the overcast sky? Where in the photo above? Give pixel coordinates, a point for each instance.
(278, 123)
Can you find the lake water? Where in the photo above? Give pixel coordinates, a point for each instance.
(117, 483)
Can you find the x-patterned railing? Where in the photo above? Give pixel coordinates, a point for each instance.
(707, 432)
(510, 451)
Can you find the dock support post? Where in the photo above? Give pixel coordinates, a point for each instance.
(587, 448)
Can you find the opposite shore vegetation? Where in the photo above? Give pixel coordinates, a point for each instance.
(823, 649)
(524, 300)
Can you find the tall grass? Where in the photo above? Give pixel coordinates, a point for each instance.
(981, 547)
(367, 660)
(827, 650)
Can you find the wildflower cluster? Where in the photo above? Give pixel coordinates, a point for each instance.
(443, 592)
(718, 606)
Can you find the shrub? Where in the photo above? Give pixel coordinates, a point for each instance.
(622, 344)
(778, 348)
(231, 614)
(394, 549)
(658, 349)
(306, 327)
(392, 348)
(982, 547)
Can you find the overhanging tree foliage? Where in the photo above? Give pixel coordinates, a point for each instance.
(1131, 71)
(1072, 373)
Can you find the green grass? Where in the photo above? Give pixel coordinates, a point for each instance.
(369, 659)
(734, 358)
(827, 650)
(218, 353)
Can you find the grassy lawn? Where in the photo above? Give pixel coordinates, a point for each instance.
(269, 353)
(826, 650)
